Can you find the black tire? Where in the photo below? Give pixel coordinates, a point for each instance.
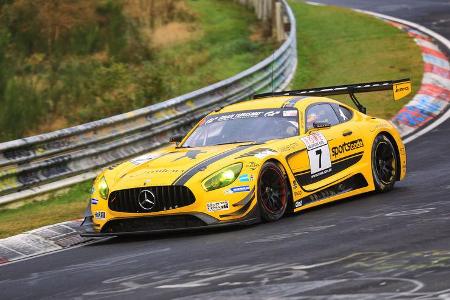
(272, 192)
(384, 164)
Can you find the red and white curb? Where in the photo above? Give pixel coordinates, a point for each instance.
(433, 96)
(431, 104)
(41, 241)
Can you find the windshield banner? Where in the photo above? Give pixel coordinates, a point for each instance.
(250, 114)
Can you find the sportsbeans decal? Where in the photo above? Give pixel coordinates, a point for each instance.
(346, 147)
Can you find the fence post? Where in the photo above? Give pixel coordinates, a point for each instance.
(279, 27)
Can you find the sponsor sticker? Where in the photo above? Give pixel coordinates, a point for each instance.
(314, 140)
(298, 203)
(264, 153)
(142, 159)
(345, 147)
(94, 201)
(259, 153)
(288, 147)
(290, 113)
(401, 89)
(100, 215)
(245, 178)
(252, 165)
(238, 189)
(271, 113)
(217, 206)
(263, 113)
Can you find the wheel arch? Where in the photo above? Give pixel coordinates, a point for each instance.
(290, 200)
(397, 152)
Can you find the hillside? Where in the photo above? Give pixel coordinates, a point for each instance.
(65, 62)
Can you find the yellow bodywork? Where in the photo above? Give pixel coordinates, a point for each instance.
(165, 166)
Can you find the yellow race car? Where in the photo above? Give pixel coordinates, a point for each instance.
(256, 160)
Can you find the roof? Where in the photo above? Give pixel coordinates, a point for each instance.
(274, 102)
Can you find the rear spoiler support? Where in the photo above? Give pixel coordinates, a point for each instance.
(358, 105)
(400, 88)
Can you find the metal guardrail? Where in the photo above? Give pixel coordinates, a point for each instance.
(46, 162)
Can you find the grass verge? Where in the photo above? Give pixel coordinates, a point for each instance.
(339, 46)
(335, 46)
(60, 208)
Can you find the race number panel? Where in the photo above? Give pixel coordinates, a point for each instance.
(318, 153)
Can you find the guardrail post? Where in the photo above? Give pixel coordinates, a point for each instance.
(279, 26)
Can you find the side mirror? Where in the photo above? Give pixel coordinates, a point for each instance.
(321, 124)
(176, 139)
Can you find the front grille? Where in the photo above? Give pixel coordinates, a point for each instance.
(166, 197)
(152, 223)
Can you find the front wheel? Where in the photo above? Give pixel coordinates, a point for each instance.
(272, 192)
(384, 164)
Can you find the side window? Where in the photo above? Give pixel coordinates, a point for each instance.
(322, 113)
(344, 113)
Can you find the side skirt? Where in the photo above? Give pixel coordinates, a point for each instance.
(350, 184)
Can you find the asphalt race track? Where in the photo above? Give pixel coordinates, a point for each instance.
(376, 246)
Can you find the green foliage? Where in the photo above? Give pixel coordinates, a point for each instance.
(17, 113)
(4, 70)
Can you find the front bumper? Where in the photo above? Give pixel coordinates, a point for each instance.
(162, 224)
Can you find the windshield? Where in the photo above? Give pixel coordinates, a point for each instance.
(244, 126)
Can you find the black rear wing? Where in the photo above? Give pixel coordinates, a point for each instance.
(400, 88)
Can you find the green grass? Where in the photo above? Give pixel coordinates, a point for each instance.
(223, 50)
(335, 46)
(339, 46)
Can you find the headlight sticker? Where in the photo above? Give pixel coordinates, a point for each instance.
(100, 215)
(217, 206)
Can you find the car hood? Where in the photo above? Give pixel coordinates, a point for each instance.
(165, 166)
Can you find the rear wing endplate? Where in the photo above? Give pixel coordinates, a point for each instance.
(400, 88)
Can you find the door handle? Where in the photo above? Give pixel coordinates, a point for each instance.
(347, 133)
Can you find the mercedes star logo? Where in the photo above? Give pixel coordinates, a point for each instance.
(146, 200)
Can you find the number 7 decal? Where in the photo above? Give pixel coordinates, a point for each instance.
(318, 153)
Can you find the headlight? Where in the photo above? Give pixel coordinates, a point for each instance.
(103, 188)
(222, 178)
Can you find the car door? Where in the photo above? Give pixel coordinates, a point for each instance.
(330, 150)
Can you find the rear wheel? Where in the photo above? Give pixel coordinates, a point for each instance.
(384, 164)
(272, 192)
